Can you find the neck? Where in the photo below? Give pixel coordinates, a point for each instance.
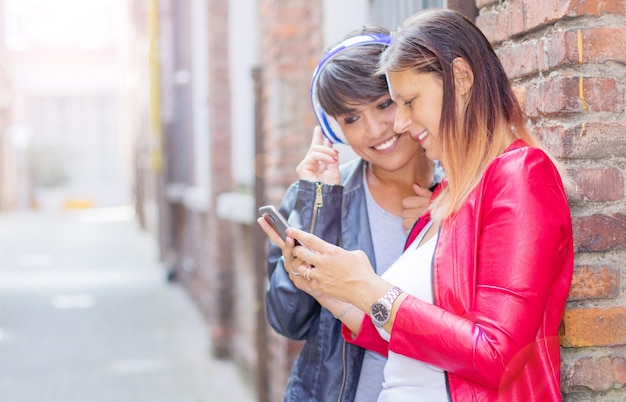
(420, 170)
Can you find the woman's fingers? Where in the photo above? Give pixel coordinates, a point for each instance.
(319, 143)
(271, 233)
(308, 240)
(320, 162)
(313, 252)
(322, 154)
(318, 136)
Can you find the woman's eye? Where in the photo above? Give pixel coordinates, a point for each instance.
(350, 119)
(385, 104)
(409, 103)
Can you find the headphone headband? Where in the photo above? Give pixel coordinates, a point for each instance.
(329, 125)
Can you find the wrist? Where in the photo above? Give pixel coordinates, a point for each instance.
(343, 312)
(369, 291)
(381, 309)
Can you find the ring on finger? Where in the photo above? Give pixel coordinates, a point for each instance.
(307, 274)
(294, 273)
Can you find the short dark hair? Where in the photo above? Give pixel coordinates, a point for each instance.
(350, 77)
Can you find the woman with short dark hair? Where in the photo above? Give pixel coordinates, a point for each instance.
(359, 205)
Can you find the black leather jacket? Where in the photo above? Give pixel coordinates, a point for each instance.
(327, 368)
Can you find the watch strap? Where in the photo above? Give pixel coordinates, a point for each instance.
(391, 296)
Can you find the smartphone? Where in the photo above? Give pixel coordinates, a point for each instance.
(276, 220)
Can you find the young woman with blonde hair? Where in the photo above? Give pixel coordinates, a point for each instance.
(471, 310)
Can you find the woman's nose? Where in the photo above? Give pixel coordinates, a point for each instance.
(377, 127)
(402, 121)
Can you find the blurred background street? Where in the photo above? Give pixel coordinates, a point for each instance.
(87, 315)
(138, 138)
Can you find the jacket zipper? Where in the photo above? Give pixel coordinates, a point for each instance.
(345, 373)
(319, 203)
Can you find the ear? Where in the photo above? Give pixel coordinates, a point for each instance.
(463, 76)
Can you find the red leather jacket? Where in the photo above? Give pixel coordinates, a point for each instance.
(502, 270)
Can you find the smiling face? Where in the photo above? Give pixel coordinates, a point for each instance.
(369, 130)
(420, 98)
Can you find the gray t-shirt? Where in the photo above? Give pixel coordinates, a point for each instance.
(388, 238)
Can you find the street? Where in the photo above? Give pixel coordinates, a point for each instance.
(87, 315)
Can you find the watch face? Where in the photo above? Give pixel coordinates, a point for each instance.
(379, 312)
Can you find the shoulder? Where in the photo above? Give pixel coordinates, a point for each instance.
(522, 162)
(526, 174)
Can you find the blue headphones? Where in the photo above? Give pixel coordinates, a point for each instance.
(330, 126)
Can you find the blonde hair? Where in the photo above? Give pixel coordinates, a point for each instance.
(429, 42)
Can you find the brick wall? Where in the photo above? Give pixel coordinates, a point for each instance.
(566, 58)
(219, 297)
(291, 47)
(292, 44)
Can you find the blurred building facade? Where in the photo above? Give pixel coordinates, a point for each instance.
(221, 95)
(8, 157)
(66, 123)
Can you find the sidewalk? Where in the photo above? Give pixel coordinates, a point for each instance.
(86, 315)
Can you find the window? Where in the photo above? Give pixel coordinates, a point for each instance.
(389, 13)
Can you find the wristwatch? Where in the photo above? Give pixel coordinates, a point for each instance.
(380, 311)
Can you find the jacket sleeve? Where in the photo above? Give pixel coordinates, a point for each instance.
(521, 257)
(367, 338)
(291, 311)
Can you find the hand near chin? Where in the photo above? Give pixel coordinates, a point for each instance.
(414, 206)
(321, 162)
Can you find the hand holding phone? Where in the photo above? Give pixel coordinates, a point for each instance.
(276, 220)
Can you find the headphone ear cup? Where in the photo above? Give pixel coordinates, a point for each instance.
(327, 123)
(330, 127)
(337, 132)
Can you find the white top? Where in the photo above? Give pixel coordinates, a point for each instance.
(408, 379)
(388, 235)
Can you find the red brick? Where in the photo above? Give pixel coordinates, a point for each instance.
(214, 287)
(526, 58)
(600, 232)
(521, 59)
(594, 327)
(551, 98)
(552, 138)
(591, 282)
(485, 3)
(599, 45)
(599, 184)
(514, 19)
(558, 51)
(596, 7)
(495, 23)
(502, 22)
(544, 13)
(488, 22)
(285, 31)
(597, 374)
(562, 96)
(589, 140)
